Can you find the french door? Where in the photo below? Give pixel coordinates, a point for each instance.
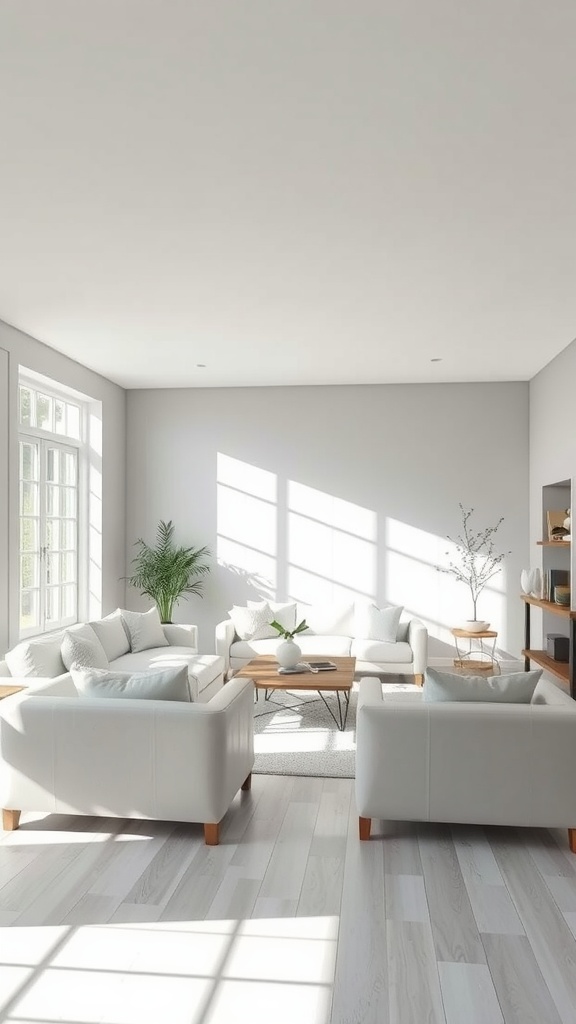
(48, 535)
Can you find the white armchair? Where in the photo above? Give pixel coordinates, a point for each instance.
(471, 763)
(126, 758)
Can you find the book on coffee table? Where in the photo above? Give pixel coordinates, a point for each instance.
(322, 666)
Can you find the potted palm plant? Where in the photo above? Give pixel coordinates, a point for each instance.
(167, 572)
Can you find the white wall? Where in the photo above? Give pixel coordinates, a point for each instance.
(552, 459)
(320, 491)
(18, 348)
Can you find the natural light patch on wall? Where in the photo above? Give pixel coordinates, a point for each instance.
(331, 547)
(247, 520)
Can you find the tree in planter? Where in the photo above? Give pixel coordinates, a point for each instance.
(166, 572)
(478, 561)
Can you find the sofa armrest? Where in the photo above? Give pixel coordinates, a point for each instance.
(418, 641)
(224, 636)
(4, 670)
(181, 635)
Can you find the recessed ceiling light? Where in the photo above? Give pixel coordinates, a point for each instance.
(201, 366)
(437, 359)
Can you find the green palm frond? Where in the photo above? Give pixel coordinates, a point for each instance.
(166, 572)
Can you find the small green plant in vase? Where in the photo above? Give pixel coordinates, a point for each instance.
(288, 653)
(477, 563)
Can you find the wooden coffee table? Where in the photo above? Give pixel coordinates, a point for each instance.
(263, 669)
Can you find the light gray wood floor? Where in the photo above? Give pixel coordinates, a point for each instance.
(423, 923)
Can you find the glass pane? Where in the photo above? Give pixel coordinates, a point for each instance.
(52, 569)
(29, 535)
(52, 604)
(28, 461)
(29, 499)
(59, 417)
(67, 535)
(53, 534)
(68, 568)
(68, 595)
(52, 464)
(29, 609)
(44, 411)
(26, 407)
(73, 427)
(69, 501)
(52, 500)
(68, 468)
(29, 569)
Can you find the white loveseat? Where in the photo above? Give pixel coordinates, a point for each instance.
(470, 763)
(168, 760)
(41, 656)
(334, 631)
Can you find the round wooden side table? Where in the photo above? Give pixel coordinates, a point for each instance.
(481, 653)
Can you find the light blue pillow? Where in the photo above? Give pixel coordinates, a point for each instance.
(155, 684)
(514, 688)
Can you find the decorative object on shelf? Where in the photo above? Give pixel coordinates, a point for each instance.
(558, 646)
(531, 582)
(478, 563)
(288, 653)
(562, 596)
(555, 519)
(166, 572)
(567, 524)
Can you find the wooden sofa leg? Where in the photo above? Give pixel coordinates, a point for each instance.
(212, 834)
(10, 820)
(572, 839)
(247, 784)
(419, 679)
(364, 827)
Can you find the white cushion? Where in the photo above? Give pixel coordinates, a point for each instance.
(309, 644)
(145, 629)
(112, 634)
(373, 623)
(283, 612)
(328, 620)
(38, 657)
(515, 688)
(202, 669)
(79, 647)
(378, 651)
(169, 684)
(252, 623)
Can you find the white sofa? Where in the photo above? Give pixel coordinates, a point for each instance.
(168, 760)
(40, 657)
(332, 633)
(475, 763)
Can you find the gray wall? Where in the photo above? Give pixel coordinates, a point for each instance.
(321, 491)
(18, 348)
(552, 459)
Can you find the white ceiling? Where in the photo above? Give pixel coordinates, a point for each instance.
(290, 192)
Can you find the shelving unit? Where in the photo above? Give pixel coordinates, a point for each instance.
(554, 496)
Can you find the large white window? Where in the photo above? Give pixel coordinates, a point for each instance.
(50, 508)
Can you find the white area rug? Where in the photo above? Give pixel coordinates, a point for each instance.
(295, 735)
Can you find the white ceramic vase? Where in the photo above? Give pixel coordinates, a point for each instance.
(288, 654)
(475, 626)
(531, 582)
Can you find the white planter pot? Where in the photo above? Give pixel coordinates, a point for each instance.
(288, 654)
(475, 626)
(531, 582)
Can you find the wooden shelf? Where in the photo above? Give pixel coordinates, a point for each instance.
(553, 543)
(561, 669)
(549, 606)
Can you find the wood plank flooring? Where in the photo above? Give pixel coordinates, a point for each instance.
(109, 921)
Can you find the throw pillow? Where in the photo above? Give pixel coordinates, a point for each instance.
(514, 688)
(40, 657)
(83, 650)
(252, 623)
(373, 623)
(283, 612)
(165, 684)
(144, 629)
(112, 635)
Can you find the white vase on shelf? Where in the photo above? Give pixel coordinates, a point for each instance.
(531, 582)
